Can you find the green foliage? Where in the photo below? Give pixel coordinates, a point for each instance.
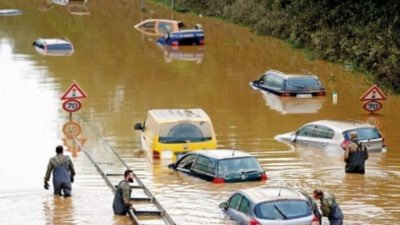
(363, 33)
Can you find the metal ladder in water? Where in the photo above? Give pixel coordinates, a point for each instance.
(148, 211)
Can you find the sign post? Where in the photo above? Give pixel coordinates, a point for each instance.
(371, 98)
(71, 95)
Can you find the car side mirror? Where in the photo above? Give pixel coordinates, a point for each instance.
(138, 126)
(223, 205)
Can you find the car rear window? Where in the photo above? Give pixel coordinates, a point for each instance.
(364, 133)
(303, 83)
(238, 166)
(185, 132)
(282, 210)
(59, 47)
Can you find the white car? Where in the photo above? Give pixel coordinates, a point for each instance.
(271, 206)
(335, 133)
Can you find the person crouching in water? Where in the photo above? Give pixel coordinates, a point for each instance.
(355, 155)
(329, 207)
(63, 173)
(122, 196)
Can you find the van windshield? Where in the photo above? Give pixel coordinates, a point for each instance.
(185, 132)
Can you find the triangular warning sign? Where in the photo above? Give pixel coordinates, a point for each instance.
(73, 92)
(373, 93)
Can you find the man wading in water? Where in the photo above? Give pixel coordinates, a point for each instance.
(122, 202)
(355, 155)
(63, 173)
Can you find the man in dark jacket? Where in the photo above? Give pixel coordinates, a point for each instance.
(355, 155)
(122, 196)
(329, 207)
(63, 173)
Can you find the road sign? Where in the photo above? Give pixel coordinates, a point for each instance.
(373, 93)
(372, 106)
(74, 92)
(72, 105)
(72, 129)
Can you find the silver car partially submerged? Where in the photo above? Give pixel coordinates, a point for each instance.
(271, 206)
(334, 134)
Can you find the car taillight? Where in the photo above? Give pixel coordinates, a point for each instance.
(314, 221)
(321, 93)
(264, 176)
(175, 43)
(156, 155)
(218, 180)
(285, 94)
(344, 144)
(254, 222)
(202, 42)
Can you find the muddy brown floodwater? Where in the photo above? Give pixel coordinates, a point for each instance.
(125, 74)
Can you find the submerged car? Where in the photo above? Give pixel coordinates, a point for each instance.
(221, 166)
(271, 206)
(334, 133)
(159, 27)
(54, 47)
(299, 85)
(170, 133)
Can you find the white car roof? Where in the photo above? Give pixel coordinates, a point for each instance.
(173, 115)
(341, 125)
(52, 41)
(264, 193)
(223, 153)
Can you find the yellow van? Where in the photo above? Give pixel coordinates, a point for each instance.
(170, 133)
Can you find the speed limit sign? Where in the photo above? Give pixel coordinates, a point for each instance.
(72, 105)
(372, 106)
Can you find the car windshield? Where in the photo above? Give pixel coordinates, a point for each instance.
(303, 83)
(185, 132)
(238, 166)
(366, 133)
(282, 210)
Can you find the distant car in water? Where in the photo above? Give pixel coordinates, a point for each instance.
(271, 206)
(221, 166)
(54, 47)
(334, 133)
(159, 27)
(299, 85)
(10, 12)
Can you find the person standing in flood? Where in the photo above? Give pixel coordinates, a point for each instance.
(63, 173)
(355, 155)
(329, 207)
(121, 203)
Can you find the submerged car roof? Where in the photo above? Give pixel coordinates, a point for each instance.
(223, 153)
(342, 125)
(264, 193)
(291, 75)
(173, 115)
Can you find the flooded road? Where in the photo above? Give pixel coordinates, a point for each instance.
(125, 74)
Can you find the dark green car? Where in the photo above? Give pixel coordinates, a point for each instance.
(220, 166)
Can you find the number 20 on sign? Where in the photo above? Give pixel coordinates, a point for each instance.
(72, 105)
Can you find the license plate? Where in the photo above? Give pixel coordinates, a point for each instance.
(167, 154)
(303, 95)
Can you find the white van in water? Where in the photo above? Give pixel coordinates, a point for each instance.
(170, 133)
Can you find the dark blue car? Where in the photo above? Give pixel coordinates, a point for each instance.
(183, 37)
(220, 166)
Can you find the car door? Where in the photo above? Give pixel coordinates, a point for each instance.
(233, 206)
(315, 136)
(304, 135)
(204, 167)
(185, 164)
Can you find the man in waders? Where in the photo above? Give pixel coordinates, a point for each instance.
(122, 196)
(329, 207)
(355, 155)
(63, 173)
